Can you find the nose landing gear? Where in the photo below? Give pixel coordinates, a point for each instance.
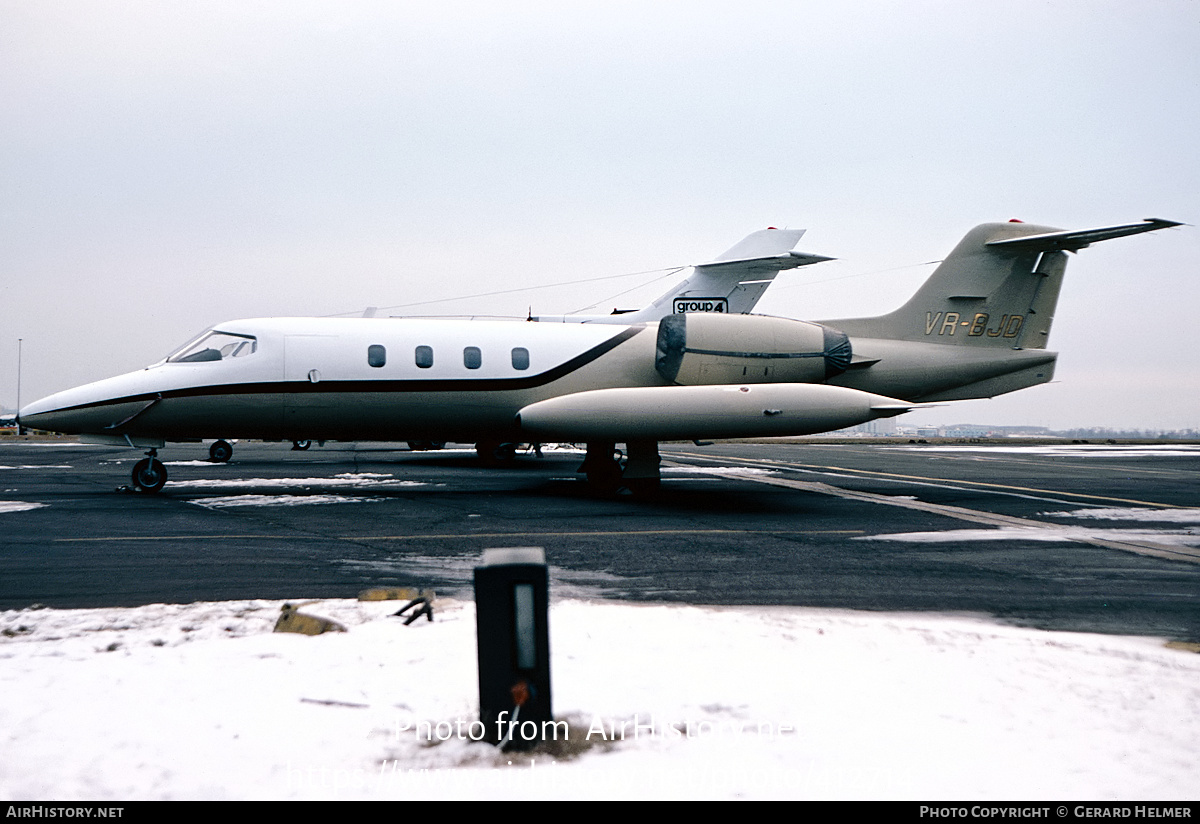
(220, 452)
(149, 474)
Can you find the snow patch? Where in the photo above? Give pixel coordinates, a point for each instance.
(364, 479)
(1133, 513)
(1075, 450)
(1050, 533)
(713, 470)
(279, 500)
(204, 701)
(18, 506)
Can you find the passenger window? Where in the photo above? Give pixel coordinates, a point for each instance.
(424, 356)
(376, 355)
(472, 357)
(520, 358)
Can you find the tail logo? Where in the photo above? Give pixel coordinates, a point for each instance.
(947, 323)
(683, 305)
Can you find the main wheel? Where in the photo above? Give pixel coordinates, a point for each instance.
(220, 452)
(605, 478)
(149, 475)
(602, 465)
(495, 453)
(301, 444)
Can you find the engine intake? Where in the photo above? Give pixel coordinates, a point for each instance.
(710, 349)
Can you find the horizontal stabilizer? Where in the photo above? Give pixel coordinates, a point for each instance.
(1075, 240)
(767, 250)
(763, 243)
(773, 263)
(732, 283)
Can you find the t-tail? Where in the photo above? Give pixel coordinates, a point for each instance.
(979, 326)
(732, 283)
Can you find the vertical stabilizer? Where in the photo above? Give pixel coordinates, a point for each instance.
(730, 284)
(997, 288)
(736, 279)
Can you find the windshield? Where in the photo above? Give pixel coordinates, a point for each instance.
(215, 346)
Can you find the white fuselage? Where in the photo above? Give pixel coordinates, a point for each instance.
(457, 380)
(313, 378)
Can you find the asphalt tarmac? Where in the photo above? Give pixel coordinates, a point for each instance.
(1087, 538)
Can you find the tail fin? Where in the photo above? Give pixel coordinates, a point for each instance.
(735, 280)
(732, 283)
(997, 288)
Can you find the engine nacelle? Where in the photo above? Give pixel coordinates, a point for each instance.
(705, 349)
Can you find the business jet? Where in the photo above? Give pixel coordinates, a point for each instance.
(692, 365)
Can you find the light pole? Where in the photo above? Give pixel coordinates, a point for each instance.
(20, 429)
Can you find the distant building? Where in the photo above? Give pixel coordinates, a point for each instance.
(877, 428)
(967, 430)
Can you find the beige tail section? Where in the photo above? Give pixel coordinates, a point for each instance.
(997, 288)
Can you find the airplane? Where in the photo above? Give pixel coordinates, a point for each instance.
(694, 365)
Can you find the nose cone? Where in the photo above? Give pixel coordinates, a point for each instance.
(90, 409)
(51, 414)
(39, 414)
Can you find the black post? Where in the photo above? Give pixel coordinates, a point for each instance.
(512, 606)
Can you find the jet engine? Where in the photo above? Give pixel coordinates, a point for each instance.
(711, 349)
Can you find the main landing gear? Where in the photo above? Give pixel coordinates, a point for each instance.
(638, 474)
(149, 474)
(495, 453)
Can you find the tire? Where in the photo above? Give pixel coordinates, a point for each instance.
(149, 475)
(495, 453)
(301, 445)
(642, 487)
(605, 478)
(220, 452)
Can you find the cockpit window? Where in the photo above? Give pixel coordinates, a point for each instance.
(215, 346)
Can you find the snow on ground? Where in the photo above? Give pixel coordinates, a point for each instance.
(1075, 450)
(1185, 535)
(1052, 532)
(1133, 513)
(280, 500)
(346, 479)
(18, 506)
(204, 701)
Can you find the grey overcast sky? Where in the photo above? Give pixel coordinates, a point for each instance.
(167, 166)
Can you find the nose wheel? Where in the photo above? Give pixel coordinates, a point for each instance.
(149, 474)
(220, 452)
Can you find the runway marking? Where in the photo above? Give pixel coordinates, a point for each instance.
(460, 536)
(974, 516)
(955, 481)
